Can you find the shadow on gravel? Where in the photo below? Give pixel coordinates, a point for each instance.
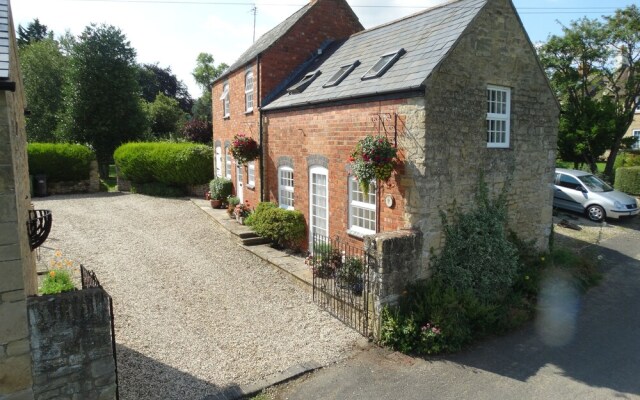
(141, 377)
(97, 195)
(603, 349)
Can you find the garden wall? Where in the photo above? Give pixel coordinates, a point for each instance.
(72, 349)
(394, 262)
(91, 185)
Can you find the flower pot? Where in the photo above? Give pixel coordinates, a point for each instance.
(240, 220)
(216, 203)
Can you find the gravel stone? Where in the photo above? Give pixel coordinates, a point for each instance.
(195, 314)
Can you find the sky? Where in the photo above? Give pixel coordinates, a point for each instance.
(173, 32)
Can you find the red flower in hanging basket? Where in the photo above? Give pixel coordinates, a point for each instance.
(244, 148)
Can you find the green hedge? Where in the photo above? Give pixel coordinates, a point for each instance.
(628, 180)
(60, 161)
(164, 162)
(284, 227)
(627, 159)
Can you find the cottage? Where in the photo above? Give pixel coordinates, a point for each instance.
(457, 88)
(262, 70)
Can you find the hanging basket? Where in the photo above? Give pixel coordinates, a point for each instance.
(244, 148)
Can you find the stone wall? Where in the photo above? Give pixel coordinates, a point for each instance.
(395, 261)
(17, 265)
(91, 185)
(72, 346)
(444, 165)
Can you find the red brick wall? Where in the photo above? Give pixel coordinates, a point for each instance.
(327, 19)
(238, 122)
(332, 132)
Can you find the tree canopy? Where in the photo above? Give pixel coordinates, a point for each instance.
(44, 69)
(205, 73)
(104, 107)
(34, 32)
(594, 68)
(154, 79)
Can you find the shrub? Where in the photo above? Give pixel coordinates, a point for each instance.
(477, 254)
(56, 281)
(283, 227)
(174, 164)
(628, 180)
(220, 188)
(260, 208)
(60, 161)
(198, 131)
(627, 159)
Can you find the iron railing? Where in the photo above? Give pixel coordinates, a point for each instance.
(341, 283)
(90, 281)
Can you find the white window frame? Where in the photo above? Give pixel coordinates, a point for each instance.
(283, 201)
(636, 134)
(225, 100)
(227, 162)
(498, 117)
(638, 105)
(354, 205)
(318, 170)
(251, 174)
(218, 161)
(248, 91)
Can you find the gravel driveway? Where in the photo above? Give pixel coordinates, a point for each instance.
(194, 312)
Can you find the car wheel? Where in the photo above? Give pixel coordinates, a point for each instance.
(595, 213)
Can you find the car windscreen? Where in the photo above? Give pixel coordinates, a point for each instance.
(594, 183)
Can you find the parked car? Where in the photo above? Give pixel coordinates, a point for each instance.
(586, 193)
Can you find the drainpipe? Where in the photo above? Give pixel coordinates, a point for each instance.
(262, 151)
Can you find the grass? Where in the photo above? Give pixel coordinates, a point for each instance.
(109, 184)
(582, 167)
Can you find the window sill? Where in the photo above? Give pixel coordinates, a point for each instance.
(228, 116)
(252, 187)
(248, 112)
(359, 234)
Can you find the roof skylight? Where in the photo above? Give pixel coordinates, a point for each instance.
(304, 82)
(341, 74)
(384, 63)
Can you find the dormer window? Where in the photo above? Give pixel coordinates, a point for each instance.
(341, 74)
(304, 83)
(384, 63)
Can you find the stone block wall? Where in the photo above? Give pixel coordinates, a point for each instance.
(17, 265)
(494, 50)
(72, 346)
(91, 185)
(394, 262)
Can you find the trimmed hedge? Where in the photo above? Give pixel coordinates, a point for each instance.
(627, 159)
(628, 180)
(61, 162)
(169, 163)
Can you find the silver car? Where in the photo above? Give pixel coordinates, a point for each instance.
(585, 193)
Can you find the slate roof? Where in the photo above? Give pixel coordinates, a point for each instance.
(265, 41)
(427, 37)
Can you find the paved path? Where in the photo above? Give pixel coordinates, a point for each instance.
(600, 359)
(195, 313)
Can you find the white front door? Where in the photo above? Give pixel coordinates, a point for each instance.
(318, 203)
(239, 182)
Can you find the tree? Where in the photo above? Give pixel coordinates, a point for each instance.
(154, 80)
(595, 70)
(205, 73)
(44, 69)
(104, 108)
(34, 32)
(165, 116)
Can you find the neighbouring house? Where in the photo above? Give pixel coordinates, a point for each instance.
(457, 88)
(634, 129)
(262, 70)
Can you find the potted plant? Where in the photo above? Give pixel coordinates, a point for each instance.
(219, 190)
(372, 159)
(350, 275)
(244, 148)
(242, 211)
(232, 202)
(325, 261)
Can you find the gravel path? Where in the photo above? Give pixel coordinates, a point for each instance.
(194, 312)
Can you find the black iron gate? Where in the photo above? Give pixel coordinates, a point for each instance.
(341, 282)
(90, 281)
